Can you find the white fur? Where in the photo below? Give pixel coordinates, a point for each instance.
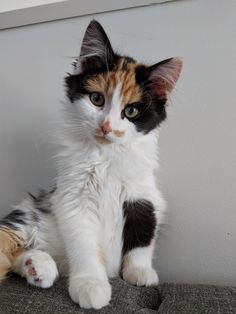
(138, 268)
(40, 270)
(93, 182)
(90, 292)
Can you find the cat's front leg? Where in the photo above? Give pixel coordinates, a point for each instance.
(88, 281)
(139, 240)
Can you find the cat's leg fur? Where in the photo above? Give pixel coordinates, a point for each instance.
(137, 267)
(142, 217)
(80, 228)
(37, 267)
(88, 282)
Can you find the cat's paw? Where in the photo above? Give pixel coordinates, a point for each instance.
(39, 269)
(90, 292)
(140, 276)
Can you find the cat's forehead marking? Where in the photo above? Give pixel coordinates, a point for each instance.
(124, 74)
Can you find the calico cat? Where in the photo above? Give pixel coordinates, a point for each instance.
(101, 217)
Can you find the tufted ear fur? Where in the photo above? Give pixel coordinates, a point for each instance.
(164, 75)
(96, 51)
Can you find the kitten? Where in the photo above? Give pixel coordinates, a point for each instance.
(101, 218)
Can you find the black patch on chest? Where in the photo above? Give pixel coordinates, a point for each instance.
(140, 224)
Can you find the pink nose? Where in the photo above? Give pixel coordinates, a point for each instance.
(106, 128)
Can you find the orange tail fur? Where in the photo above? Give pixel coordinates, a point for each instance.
(11, 245)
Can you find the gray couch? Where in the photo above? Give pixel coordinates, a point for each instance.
(16, 297)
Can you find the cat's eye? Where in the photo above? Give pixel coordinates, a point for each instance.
(131, 112)
(97, 99)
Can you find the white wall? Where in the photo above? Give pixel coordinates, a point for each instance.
(198, 151)
(6, 5)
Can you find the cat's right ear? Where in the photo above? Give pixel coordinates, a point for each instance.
(96, 51)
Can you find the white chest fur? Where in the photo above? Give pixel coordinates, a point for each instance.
(110, 198)
(101, 180)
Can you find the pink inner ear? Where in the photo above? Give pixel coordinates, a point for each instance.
(165, 76)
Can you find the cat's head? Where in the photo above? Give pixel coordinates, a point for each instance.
(113, 98)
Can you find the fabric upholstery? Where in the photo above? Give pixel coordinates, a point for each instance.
(17, 297)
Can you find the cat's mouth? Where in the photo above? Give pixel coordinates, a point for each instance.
(105, 136)
(102, 140)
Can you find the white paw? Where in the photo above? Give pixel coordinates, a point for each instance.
(140, 276)
(39, 269)
(90, 292)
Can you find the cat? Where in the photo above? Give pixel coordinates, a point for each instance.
(101, 218)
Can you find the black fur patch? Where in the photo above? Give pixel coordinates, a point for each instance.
(140, 224)
(95, 39)
(152, 113)
(8, 224)
(35, 217)
(76, 83)
(152, 108)
(15, 217)
(42, 201)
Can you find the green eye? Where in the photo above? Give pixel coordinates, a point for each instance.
(131, 112)
(97, 99)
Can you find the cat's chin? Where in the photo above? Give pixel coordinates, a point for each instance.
(102, 140)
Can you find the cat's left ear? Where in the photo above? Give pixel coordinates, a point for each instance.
(163, 76)
(96, 50)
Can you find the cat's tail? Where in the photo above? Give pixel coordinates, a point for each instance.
(19, 228)
(11, 245)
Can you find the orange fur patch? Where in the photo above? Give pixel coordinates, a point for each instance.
(119, 133)
(124, 74)
(102, 140)
(102, 256)
(125, 261)
(5, 266)
(11, 245)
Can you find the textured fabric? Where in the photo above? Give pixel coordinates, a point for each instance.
(197, 299)
(16, 297)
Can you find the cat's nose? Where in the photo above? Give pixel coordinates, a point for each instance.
(106, 128)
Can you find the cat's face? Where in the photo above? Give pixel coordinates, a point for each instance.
(115, 99)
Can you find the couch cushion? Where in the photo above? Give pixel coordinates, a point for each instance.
(17, 297)
(197, 299)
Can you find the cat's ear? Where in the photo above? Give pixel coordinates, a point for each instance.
(163, 76)
(96, 50)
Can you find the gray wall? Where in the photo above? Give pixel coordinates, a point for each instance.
(198, 153)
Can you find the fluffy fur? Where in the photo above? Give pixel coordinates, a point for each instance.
(11, 246)
(101, 218)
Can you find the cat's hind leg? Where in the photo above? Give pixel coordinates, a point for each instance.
(37, 267)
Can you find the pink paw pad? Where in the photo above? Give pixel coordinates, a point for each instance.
(28, 262)
(32, 271)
